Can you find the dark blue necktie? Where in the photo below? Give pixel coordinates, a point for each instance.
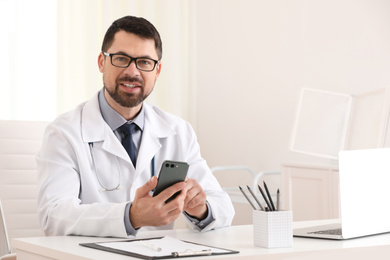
(127, 141)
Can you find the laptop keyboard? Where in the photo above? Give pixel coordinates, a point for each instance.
(336, 231)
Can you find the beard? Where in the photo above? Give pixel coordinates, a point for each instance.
(127, 99)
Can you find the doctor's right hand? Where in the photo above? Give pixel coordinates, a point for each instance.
(153, 211)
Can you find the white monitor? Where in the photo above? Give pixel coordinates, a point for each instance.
(328, 122)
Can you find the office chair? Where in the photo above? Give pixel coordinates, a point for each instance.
(238, 175)
(9, 255)
(19, 144)
(230, 177)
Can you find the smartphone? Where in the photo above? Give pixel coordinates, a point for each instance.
(171, 172)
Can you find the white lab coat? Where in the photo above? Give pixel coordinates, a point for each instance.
(71, 200)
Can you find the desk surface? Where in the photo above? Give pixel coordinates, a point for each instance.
(236, 237)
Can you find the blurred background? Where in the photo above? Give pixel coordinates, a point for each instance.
(233, 69)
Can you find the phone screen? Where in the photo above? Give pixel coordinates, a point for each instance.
(171, 172)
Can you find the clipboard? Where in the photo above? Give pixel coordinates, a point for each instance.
(148, 248)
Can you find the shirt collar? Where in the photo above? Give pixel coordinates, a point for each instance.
(114, 119)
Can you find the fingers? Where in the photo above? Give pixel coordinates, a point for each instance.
(198, 199)
(195, 202)
(152, 211)
(195, 194)
(147, 187)
(172, 190)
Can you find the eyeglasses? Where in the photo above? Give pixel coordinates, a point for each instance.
(124, 61)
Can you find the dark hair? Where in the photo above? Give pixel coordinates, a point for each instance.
(137, 25)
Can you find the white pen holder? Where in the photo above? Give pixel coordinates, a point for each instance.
(272, 229)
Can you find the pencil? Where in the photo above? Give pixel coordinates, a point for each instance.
(265, 198)
(269, 196)
(254, 196)
(250, 202)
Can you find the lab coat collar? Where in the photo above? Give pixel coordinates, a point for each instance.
(156, 128)
(95, 129)
(93, 126)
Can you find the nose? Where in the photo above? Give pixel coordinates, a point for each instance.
(132, 69)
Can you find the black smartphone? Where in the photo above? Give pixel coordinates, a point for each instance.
(171, 172)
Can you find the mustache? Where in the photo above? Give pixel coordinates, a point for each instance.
(130, 79)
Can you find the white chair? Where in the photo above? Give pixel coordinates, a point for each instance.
(238, 174)
(9, 255)
(230, 177)
(19, 144)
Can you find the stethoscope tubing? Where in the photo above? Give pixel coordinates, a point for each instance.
(117, 187)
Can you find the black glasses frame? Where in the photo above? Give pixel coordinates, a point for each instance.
(131, 60)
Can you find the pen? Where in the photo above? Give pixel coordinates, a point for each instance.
(277, 200)
(254, 196)
(265, 198)
(250, 202)
(150, 246)
(269, 196)
(192, 253)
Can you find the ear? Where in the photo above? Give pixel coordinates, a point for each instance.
(158, 69)
(101, 61)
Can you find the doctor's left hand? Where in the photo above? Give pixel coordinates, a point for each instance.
(153, 211)
(195, 202)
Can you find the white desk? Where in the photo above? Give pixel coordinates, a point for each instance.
(236, 237)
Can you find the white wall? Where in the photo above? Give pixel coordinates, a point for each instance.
(81, 27)
(28, 58)
(254, 56)
(238, 81)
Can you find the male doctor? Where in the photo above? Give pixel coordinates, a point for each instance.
(88, 183)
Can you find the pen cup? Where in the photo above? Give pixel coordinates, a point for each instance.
(272, 229)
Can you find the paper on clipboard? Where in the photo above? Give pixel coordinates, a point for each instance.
(168, 247)
(167, 244)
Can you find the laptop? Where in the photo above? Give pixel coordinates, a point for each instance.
(364, 196)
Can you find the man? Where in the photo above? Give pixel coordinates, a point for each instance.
(90, 184)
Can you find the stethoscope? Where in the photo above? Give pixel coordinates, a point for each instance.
(117, 187)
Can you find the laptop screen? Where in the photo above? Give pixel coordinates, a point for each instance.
(364, 191)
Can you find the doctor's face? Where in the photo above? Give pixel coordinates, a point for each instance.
(128, 87)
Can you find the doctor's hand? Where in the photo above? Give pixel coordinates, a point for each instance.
(153, 211)
(195, 201)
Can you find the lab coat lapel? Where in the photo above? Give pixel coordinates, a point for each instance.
(155, 129)
(94, 129)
